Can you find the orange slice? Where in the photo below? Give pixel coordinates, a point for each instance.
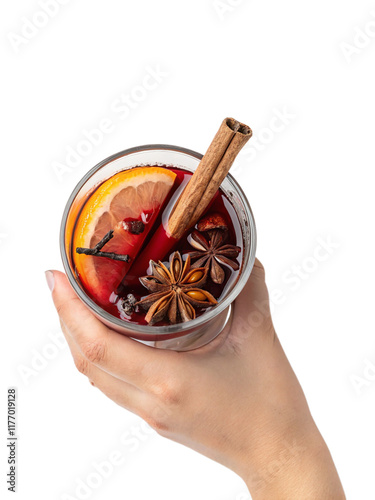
(135, 194)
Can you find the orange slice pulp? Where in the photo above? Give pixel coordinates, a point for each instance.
(135, 194)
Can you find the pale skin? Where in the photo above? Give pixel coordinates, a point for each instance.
(236, 400)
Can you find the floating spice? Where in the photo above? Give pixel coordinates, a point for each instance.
(96, 250)
(212, 253)
(175, 292)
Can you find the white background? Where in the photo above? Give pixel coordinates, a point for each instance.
(309, 180)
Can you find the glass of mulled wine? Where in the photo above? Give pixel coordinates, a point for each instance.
(139, 281)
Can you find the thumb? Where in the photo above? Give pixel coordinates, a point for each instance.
(254, 296)
(114, 353)
(252, 313)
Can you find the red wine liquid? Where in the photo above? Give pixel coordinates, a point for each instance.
(163, 246)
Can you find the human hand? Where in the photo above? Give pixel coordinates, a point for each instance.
(235, 400)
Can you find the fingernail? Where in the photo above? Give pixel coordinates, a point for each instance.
(50, 280)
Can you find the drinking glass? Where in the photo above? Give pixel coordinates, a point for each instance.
(181, 336)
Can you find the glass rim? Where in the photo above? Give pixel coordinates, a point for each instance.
(145, 330)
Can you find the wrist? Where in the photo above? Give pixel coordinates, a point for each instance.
(292, 466)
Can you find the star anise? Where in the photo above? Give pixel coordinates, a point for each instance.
(175, 292)
(212, 252)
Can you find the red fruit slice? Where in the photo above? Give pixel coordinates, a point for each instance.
(135, 194)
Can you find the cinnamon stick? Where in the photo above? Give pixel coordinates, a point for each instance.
(210, 173)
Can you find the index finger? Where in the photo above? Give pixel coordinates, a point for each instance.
(114, 353)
